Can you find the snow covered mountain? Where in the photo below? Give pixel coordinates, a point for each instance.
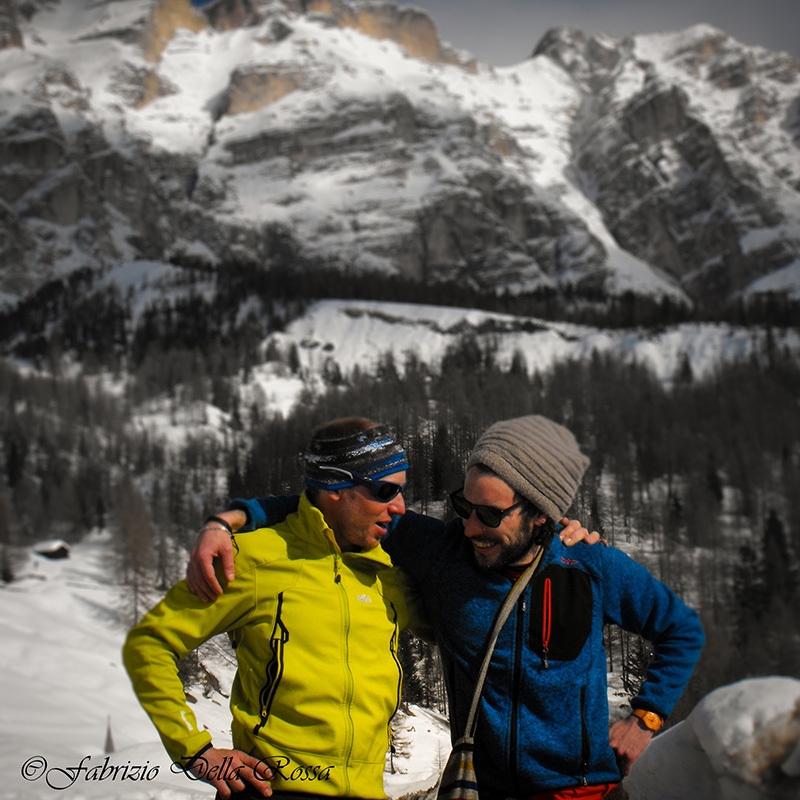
(662, 164)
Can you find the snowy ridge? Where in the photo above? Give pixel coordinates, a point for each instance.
(338, 336)
(356, 334)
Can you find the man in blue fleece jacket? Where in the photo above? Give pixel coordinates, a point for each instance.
(543, 725)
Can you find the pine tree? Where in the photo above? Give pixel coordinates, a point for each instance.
(134, 548)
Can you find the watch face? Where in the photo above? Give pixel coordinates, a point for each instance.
(650, 719)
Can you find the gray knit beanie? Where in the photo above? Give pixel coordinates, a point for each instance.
(537, 458)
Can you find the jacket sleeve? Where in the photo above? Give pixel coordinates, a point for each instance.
(642, 604)
(416, 618)
(167, 633)
(264, 512)
(415, 541)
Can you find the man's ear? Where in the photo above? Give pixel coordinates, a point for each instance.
(539, 521)
(328, 497)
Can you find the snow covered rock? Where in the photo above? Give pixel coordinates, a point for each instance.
(52, 548)
(741, 742)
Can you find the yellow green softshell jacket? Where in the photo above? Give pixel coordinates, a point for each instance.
(315, 632)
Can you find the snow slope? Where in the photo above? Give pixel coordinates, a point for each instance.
(64, 686)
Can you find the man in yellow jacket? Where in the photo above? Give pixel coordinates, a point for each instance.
(314, 613)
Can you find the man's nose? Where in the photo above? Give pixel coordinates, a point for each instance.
(473, 526)
(397, 505)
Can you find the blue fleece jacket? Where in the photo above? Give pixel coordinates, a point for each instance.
(543, 723)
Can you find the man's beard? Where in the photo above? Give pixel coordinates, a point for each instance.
(510, 553)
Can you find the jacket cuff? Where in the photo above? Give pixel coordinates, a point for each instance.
(256, 518)
(190, 763)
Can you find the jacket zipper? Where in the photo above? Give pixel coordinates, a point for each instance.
(274, 670)
(349, 732)
(547, 621)
(584, 740)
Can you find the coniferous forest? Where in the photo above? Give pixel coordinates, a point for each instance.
(699, 481)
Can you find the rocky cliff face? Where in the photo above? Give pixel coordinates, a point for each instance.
(687, 195)
(667, 165)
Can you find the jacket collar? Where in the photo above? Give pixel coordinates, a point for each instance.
(310, 524)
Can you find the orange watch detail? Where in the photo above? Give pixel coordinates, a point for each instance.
(651, 720)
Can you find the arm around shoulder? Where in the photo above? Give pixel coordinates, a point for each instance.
(263, 512)
(414, 541)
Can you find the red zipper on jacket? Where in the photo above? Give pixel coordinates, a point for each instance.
(547, 620)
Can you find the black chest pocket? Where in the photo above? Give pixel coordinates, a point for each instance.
(561, 613)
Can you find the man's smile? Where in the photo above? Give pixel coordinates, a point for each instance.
(482, 545)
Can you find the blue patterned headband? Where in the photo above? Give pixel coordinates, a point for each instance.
(373, 453)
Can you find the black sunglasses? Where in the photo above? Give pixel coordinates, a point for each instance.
(382, 491)
(489, 516)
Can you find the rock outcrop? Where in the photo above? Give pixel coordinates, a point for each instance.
(167, 17)
(671, 189)
(411, 28)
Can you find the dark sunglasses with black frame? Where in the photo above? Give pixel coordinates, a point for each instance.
(489, 516)
(382, 491)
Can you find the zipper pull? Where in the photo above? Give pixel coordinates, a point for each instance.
(336, 563)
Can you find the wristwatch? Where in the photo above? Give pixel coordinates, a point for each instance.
(651, 720)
